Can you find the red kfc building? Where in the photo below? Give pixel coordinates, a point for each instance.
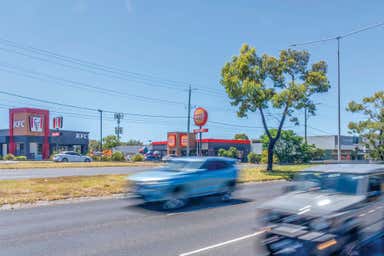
(29, 135)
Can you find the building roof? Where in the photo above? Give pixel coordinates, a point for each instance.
(224, 141)
(347, 168)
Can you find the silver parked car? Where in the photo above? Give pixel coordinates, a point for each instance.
(71, 156)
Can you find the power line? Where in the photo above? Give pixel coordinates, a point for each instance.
(166, 83)
(77, 84)
(84, 108)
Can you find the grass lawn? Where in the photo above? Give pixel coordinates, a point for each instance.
(48, 164)
(259, 173)
(32, 190)
(49, 189)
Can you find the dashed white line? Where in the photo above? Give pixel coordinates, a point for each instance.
(222, 244)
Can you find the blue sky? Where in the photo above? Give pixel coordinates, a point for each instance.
(186, 42)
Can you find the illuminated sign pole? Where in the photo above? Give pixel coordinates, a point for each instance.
(57, 124)
(200, 117)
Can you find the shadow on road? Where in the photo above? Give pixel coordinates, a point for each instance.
(196, 204)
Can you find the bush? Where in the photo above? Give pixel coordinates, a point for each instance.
(264, 157)
(9, 157)
(137, 158)
(254, 158)
(106, 158)
(232, 152)
(21, 158)
(118, 156)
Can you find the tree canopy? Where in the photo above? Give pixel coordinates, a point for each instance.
(285, 83)
(371, 129)
(290, 148)
(241, 136)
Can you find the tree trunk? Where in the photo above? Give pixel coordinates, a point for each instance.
(271, 146)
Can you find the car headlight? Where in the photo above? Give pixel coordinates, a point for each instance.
(320, 224)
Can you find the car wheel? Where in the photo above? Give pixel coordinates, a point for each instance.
(87, 160)
(177, 200)
(65, 160)
(226, 194)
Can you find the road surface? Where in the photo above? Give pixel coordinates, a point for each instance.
(124, 227)
(14, 174)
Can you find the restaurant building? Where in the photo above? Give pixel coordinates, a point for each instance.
(29, 134)
(177, 145)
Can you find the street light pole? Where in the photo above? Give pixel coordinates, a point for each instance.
(189, 119)
(101, 130)
(338, 38)
(338, 101)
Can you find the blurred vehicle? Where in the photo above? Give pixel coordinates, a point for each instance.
(327, 208)
(168, 157)
(152, 156)
(372, 246)
(71, 156)
(185, 178)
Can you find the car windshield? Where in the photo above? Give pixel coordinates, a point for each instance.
(334, 182)
(184, 165)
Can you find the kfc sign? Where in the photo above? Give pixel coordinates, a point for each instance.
(36, 123)
(19, 124)
(82, 136)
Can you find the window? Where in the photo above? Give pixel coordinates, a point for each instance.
(215, 165)
(374, 184)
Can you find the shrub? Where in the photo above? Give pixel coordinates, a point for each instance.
(137, 158)
(118, 156)
(21, 158)
(254, 158)
(9, 157)
(96, 158)
(106, 158)
(264, 157)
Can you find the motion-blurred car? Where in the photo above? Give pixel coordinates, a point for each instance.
(168, 157)
(185, 178)
(327, 208)
(71, 156)
(372, 246)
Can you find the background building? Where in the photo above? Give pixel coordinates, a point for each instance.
(350, 147)
(29, 135)
(176, 145)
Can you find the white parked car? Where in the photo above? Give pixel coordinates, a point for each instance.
(71, 156)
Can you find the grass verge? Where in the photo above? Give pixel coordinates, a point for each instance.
(259, 173)
(50, 189)
(46, 164)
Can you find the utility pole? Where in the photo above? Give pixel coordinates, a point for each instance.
(101, 130)
(338, 101)
(189, 119)
(118, 129)
(305, 124)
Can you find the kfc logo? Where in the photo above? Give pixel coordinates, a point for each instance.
(36, 123)
(18, 124)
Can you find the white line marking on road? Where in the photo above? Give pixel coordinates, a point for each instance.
(223, 243)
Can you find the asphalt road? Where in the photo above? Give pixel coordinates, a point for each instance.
(124, 227)
(14, 174)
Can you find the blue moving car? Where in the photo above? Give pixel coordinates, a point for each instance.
(185, 178)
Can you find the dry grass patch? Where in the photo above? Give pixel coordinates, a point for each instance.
(259, 173)
(47, 164)
(49, 189)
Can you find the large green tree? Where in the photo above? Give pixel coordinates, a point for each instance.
(371, 129)
(285, 83)
(110, 142)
